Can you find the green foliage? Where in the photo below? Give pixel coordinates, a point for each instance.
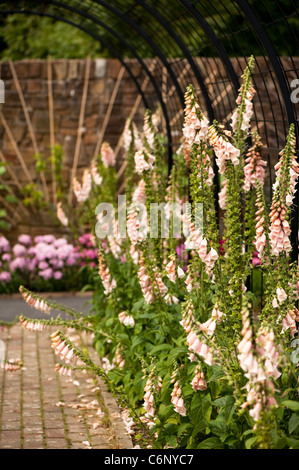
(37, 37)
(8, 196)
(33, 196)
(40, 163)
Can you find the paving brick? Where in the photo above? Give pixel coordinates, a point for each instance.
(37, 402)
(54, 433)
(58, 443)
(11, 426)
(11, 445)
(32, 430)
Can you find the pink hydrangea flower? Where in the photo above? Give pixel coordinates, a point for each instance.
(17, 263)
(43, 265)
(57, 275)
(71, 260)
(5, 276)
(46, 273)
(59, 242)
(19, 250)
(25, 239)
(4, 244)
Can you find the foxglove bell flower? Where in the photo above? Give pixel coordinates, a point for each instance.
(143, 161)
(31, 325)
(171, 270)
(82, 191)
(61, 215)
(254, 169)
(247, 114)
(11, 366)
(177, 399)
(38, 304)
(127, 320)
(224, 150)
(287, 172)
(198, 382)
(62, 370)
(139, 194)
(222, 195)
(196, 125)
(290, 321)
(107, 154)
(108, 282)
(281, 295)
(148, 131)
(62, 349)
(97, 178)
(118, 359)
(148, 397)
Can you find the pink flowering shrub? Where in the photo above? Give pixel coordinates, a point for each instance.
(86, 251)
(197, 360)
(44, 263)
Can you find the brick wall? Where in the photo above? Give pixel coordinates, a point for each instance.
(68, 84)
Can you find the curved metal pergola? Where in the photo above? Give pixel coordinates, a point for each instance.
(198, 42)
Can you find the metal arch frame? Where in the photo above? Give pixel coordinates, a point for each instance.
(214, 39)
(187, 54)
(139, 59)
(115, 53)
(270, 49)
(256, 26)
(150, 42)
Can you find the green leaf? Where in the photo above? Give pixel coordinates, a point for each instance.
(227, 404)
(217, 373)
(183, 428)
(292, 443)
(200, 428)
(137, 305)
(206, 408)
(175, 353)
(249, 443)
(2, 169)
(171, 441)
(210, 443)
(281, 443)
(87, 287)
(219, 427)
(171, 428)
(3, 213)
(223, 401)
(11, 198)
(293, 423)
(160, 347)
(4, 224)
(292, 405)
(165, 411)
(195, 410)
(188, 390)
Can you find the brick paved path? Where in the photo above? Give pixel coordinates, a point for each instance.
(40, 409)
